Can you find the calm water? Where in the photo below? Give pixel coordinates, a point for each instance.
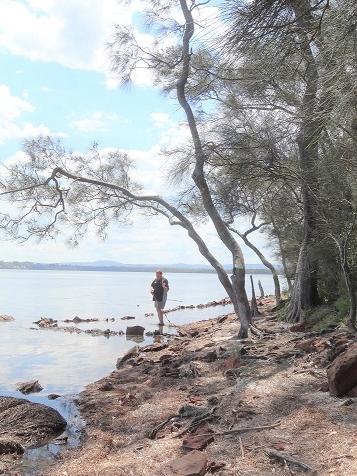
(64, 363)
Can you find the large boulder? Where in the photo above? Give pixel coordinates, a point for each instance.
(28, 423)
(342, 375)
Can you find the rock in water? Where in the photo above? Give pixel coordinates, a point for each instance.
(135, 331)
(31, 386)
(28, 423)
(342, 375)
(6, 318)
(192, 464)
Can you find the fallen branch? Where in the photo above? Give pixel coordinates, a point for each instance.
(244, 430)
(195, 423)
(157, 428)
(283, 457)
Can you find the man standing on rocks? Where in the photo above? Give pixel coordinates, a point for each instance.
(159, 289)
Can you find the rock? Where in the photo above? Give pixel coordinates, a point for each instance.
(135, 331)
(77, 320)
(213, 466)
(347, 403)
(194, 333)
(133, 352)
(221, 319)
(10, 447)
(6, 318)
(211, 356)
(342, 375)
(127, 318)
(213, 400)
(61, 440)
(53, 396)
(106, 387)
(299, 327)
(192, 464)
(352, 392)
(154, 348)
(28, 423)
(45, 322)
(197, 442)
(306, 346)
(31, 386)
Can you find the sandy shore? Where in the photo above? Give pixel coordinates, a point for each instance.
(246, 400)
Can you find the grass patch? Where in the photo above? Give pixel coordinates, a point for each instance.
(326, 316)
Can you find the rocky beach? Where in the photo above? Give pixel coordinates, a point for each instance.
(203, 402)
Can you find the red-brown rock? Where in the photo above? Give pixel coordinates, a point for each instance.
(197, 442)
(306, 346)
(342, 375)
(193, 463)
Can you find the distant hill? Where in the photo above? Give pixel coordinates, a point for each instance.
(108, 265)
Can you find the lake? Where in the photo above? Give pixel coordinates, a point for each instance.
(65, 363)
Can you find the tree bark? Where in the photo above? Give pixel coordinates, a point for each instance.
(238, 278)
(305, 293)
(254, 305)
(265, 262)
(261, 289)
(349, 280)
(284, 260)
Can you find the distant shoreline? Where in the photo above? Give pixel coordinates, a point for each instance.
(122, 269)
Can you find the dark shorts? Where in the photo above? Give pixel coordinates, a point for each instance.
(160, 304)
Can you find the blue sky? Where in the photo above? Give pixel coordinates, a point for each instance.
(55, 79)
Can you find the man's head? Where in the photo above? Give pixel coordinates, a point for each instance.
(158, 274)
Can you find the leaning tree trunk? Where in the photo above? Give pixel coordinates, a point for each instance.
(261, 290)
(240, 300)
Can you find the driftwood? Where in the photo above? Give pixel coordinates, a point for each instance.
(161, 425)
(285, 458)
(197, 421)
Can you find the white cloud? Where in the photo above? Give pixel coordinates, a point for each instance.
(11, 109)
(73, 33)
(96, 121)
(11, 106)
(160, 119)
(15, 131)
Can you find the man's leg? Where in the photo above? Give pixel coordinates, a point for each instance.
(161, 316)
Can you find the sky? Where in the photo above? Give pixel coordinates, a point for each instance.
(56, 80)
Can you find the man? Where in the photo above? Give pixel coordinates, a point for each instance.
(159, 289)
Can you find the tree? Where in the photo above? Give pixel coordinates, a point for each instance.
(99, 190)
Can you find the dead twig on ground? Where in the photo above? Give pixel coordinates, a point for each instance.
(285, 458)
(243, 430)
(159, 427)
